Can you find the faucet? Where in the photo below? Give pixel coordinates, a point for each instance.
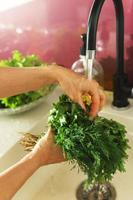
(121, 89)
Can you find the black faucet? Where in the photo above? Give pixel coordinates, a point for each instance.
(121, 89)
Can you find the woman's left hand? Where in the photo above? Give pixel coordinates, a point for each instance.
(46, 151)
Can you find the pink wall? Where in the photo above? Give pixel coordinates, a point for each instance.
(51, 29)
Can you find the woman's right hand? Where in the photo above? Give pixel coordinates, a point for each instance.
(75, 86)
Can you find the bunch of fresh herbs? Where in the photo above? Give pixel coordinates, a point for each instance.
(19, 60)
(98, 146)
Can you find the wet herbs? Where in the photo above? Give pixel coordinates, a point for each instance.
(98, 146)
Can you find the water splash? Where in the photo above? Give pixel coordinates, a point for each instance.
(89, 68)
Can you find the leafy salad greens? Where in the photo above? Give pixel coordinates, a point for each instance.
(19, 60)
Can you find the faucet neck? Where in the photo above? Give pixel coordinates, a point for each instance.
(92, 30)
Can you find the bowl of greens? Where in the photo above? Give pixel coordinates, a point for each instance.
(23, 102)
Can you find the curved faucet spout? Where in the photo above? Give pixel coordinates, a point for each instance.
(121, 90)
(92, 30)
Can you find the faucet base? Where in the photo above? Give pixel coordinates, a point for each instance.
(120, 104)
(120, 95)
(121, 108)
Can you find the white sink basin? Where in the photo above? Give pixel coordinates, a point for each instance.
(63, 184)
(58, 182)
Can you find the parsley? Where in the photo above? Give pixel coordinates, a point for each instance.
(98, 146)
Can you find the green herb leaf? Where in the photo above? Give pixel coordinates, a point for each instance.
(98, 146)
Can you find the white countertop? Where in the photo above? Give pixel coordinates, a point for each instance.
(11, 126)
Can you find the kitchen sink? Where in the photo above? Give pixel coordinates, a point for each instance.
(60, 181)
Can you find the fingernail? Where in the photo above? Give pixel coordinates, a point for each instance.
(84, 108)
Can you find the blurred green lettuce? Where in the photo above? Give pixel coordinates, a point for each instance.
(17, 59)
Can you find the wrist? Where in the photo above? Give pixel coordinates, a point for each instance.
(38, 159)
(57, 72)
(52, 73)
(34, 160)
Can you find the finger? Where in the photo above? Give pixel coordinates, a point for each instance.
(81, 103)
(61, 156)
(102, 98)
(95, 105)
(50, 133)
(48, 136)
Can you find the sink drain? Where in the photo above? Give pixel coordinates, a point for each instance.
(97, 192)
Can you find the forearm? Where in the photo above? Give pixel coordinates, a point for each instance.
(13, 178)
(19, 80)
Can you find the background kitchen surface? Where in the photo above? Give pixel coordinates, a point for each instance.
(51, 29)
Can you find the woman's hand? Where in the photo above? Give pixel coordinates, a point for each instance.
(46, 151)
(75, 85)
(20, 80)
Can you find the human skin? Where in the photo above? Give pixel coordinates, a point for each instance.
(45, 152)
(15, 81)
